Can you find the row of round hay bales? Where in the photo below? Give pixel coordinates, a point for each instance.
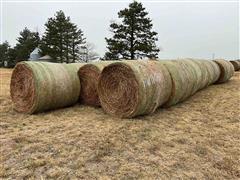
(226, 70)
(41, 86)
(89, 75)
(236, 64)
(131, 88)
(189, 76)
(124, 88)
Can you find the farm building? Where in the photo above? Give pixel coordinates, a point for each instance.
(45, 58)
(35, 54)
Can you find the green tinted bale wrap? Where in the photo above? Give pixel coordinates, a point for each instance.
(180, 81)
(197, 74)
(216, 71)
(213, 75)
(226, 70)
(191, 78)
(40, 86)
(89, 76)
(131, 88)
(204, 72)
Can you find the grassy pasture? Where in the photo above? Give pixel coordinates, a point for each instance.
(199, 138)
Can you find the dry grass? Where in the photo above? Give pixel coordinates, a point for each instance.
(199, 138)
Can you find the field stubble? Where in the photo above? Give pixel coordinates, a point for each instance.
(199, 138)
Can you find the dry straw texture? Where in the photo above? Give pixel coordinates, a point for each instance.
(40, 86)
(226, 69)
(89, 75)
(236, 65)
(131, 88)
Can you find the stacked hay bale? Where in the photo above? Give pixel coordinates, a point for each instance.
(40, 86)
(236, 65)
(226, 70)
(131, 88)
(89, 75)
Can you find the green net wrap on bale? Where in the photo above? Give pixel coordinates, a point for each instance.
(208, 72)
(226, 70)
(213, 71)
(89, 76)
(131, 88)
(197, 74)
(236, 65)
(40, 86)
(189, 76)
(182, 80)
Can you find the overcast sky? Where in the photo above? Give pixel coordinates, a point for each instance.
(184, 29)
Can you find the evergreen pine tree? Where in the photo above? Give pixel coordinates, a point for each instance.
(61, 38)
(27, 42)
(133, 38)
(7, 54)
(4, 49)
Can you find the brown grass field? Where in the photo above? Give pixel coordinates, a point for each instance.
(197, 139)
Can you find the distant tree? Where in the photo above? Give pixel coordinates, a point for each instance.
(62, 38)
(133, 38)
(27, 42)
(4, 50)
(88, 53)
(76, 42)
(7, 54)
(12, 57)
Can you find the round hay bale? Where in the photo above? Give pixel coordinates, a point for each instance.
(236, 65)
(204, 72)
(226, 70)
(180, 81)
(197, 74)
(216, 71)
(213, 73)
(131, 88)
(89, 75)
(40, 86)
(191, 78)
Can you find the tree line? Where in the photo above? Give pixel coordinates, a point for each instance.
(132, 38)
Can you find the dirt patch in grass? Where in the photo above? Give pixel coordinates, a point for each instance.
(198, 138)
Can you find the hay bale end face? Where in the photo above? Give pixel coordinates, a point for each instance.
(131, 88)
(226, 70)
(89, 76)
(40, 86)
